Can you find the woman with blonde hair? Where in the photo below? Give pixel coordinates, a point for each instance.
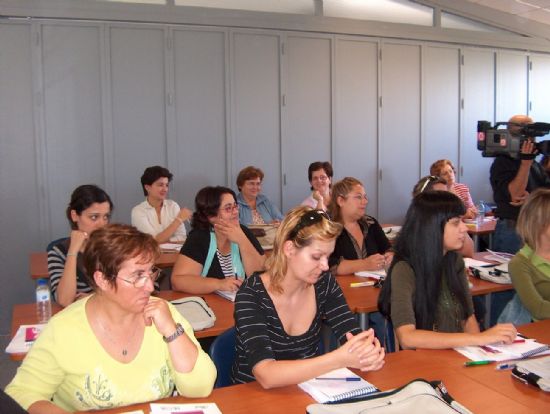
(530, 267)
(446, 170)
(362, 245)
(278, 313)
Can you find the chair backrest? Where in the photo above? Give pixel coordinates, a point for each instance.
(222, 352)
(54, 242)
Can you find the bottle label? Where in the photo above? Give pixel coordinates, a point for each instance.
(42, 296)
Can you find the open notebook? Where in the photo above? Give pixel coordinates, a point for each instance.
(338, 385)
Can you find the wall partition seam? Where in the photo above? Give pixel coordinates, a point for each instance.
(41, 155)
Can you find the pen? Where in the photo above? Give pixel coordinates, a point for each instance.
(506, 365)
(339, 379)
(476, 363)
(360, 284)
(519, 341)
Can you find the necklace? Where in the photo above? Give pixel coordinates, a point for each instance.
(108, 334)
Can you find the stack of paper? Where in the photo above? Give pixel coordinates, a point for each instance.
(170, 247)
(226, 294)
(520, 349)
(24, 338)
(204, 408)
(373, 274)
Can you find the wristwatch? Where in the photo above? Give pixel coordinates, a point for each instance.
(179, 331)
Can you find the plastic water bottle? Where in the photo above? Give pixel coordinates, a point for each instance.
(480, 206)
(43, 301)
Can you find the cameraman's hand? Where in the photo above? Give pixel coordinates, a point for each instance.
(519, 201)
(528, 151)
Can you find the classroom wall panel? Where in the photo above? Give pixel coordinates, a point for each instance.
(440, 105)
(71, 70)
(200, 101)
(355, 146)
(138, 110)
(307, 112)
(478, 94)
(539, 88)
(511, 84)
(399, 129)
(255, 108)
(22, 231)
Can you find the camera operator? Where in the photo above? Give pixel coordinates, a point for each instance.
(512, 180)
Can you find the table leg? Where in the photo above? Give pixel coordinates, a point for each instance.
(487, 320)
(476, 242)
(363, 321)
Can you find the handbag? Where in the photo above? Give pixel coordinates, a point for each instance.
(418, 396)
(196, 311)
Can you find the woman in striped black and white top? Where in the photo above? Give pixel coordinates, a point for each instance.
(89, 209)
(278, 313)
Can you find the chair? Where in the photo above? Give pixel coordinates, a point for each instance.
(222, 352)
(54, 242)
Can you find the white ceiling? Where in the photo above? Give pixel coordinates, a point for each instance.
(536, 10)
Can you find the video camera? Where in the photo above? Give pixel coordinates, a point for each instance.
(493, 141)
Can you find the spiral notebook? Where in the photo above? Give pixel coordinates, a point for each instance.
(338, 385)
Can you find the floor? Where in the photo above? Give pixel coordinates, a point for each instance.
(7, 366)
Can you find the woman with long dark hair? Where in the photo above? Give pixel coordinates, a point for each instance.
(426, 293)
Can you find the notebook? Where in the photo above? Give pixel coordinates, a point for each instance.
(24, 338)
(535, 372)
(194, 408)
(338, 385)
(373, 274)
(521, 348)
(226, 294)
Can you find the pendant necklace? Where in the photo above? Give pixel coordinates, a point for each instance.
(108, 334)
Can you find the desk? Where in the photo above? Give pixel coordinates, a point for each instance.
(223, 309)
(364, 300)
(488, 227)
(38, 263)
(481, 389)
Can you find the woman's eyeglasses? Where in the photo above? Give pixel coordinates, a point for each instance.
(308, 219)
(230, 208)
(141, 279)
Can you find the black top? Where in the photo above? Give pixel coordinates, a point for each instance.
(503, 171)
(374, 241)
(260, 332)
(196, 247)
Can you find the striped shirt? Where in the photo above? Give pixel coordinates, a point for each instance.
(463, 192)
(226, 264)
(260, 332)
(57, 257)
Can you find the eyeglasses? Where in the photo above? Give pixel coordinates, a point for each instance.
(427, 180)
(230, 208)
(308, 219)
(358, 197)
(141, 279)
(320, 178)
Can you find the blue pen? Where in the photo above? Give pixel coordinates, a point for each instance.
(339, 379)
(505, 366)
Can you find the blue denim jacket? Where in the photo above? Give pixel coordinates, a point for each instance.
(266, 208)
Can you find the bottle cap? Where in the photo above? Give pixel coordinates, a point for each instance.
(42, 282)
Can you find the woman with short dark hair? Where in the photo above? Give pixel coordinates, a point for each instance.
(157, 215)
(118, 346)
(426, 293)
(219, 252)
(254, 207)
(89, 209)
(319, 175)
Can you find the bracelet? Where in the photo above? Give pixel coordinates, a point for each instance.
(179, 331)
(72, 254)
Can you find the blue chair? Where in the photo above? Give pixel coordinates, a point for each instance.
(54, 242)
(222, 352)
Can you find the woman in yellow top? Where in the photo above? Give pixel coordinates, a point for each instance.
(118, 346)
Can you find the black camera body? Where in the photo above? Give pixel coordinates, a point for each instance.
(493, 141)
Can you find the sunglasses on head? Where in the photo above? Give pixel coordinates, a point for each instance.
(308, 219)
(427, 180)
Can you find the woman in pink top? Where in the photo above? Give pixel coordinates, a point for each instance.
(446, 170)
